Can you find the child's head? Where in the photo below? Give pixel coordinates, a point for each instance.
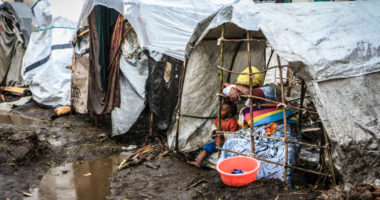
(229, 109)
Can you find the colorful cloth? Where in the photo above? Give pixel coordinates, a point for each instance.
(264, 115)
(104, 97)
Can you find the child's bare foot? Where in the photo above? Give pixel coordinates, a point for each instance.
(195, 163)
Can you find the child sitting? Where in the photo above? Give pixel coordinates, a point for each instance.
(228, 123)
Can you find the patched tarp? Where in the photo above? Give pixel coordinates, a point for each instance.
(15, 29)
(335, 47)
(50, 51)
(162, 90)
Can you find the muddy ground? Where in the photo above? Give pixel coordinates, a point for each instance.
(31, 144)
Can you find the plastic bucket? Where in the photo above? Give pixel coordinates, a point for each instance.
(248, 165)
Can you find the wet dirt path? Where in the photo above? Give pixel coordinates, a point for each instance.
(31, 144)
(71, 159)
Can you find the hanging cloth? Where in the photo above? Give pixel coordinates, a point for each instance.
(104, 88)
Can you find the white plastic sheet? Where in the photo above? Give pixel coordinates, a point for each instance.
(50, 51)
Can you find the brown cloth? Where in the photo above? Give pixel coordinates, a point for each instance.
(102, 101)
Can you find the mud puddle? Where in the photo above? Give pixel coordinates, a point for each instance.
(78, 180)
(11, 118)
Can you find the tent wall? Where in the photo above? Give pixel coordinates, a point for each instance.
(15, 28)
(50, 51)
(349, 109)
(201, 85)
(134, 72)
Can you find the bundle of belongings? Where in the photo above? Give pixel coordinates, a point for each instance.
(267, 121)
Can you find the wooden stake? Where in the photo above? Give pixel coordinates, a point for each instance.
(285, 122)
(250, 93)
(179, 104)
(220, 89)
(151, 125)
(299, 120)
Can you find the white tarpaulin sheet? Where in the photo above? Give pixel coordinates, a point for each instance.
(335, 47)
(164, 26)
(50, 51)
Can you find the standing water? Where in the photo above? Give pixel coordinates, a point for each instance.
(78, 180)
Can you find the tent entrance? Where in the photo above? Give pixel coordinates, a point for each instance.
(228, 64)
(106, 36)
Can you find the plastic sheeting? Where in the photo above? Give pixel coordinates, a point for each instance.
(162, 90)
(50, 51)
(163, 28)
(15, 29)
(335, 47)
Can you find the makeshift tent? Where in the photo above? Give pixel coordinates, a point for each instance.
(333, 46)
(155, 37)
(15, 30)
(50, 51)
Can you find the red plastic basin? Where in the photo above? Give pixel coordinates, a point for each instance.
(248, 165)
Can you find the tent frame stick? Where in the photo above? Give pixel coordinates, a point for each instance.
(285, 121)
(178, 115)
(328, 151)
(278, 139)
(275, 102)
(243, 40)
(250, 93)
(220, 90)
(253, 73)
(302, 97)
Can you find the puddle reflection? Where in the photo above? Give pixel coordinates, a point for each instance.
(79, 180)
(10, 118)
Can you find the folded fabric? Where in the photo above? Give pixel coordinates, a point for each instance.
(266, 114)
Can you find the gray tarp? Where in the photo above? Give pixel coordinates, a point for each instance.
(335, 47)
(15, 29)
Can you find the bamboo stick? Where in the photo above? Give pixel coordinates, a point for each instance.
(151, 125)
(273, 138)
(303, 90)
(250, 93)
(328, 151)
(253, 73)
(220, 90)
(284, 114)
(275, 102)
(180, 103)
(242, 40)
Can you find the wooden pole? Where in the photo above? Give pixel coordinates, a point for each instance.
(328, 151)
(151, 125)
(220, 89)
(179, 104)
(285, 124)
(250, 93)
(299, 120)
